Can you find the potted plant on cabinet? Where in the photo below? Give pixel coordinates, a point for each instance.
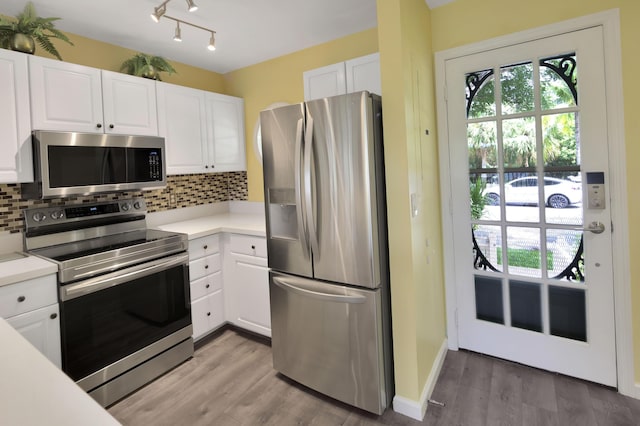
(147, 66)
(22, 32)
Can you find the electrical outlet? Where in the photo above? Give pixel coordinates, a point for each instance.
(172, 200)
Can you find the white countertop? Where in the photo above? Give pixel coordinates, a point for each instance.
(237, 223)
(25, 268)
(35, 392)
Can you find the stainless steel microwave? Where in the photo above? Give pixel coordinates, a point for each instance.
(68, 163)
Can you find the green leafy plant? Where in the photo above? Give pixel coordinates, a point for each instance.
(148, 66)
(29, 24)
(478, 198)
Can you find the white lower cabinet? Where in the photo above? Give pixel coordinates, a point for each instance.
(42, 329)
(229, 283)
(247, 283)
(31, 307)
(205, 272)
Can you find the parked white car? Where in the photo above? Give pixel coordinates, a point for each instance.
(558, 193)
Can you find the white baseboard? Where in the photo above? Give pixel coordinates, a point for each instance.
(417, 409)
(635, 391)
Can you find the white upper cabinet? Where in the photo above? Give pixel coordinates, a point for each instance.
(129, 104)
(65, 97)
(204, 131)
(364, 74)
(226, 132)
(324, 82)
(354, 75)
(182, 122)
(71, 97)
(15, 124)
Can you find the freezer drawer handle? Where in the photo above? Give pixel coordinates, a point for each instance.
(352, 298)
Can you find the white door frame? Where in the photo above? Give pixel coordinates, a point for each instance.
(610, 22)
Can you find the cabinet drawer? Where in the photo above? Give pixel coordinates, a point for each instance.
(27, 296)
(204, 266)
(207, 313)
(206, 285)
(204, 246)
(248, 244)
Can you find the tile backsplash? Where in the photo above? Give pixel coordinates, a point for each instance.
(181, 191)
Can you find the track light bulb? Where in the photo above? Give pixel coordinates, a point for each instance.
(158, 12)
(192, 6)
(212, 42)
(177, 36)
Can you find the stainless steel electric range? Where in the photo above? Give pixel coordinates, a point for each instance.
(125, 313)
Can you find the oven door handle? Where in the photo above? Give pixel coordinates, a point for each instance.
(92, 285)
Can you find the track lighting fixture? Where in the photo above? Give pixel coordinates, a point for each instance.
(192, 6)
(161, 10)
(177, 36)
(158, 12)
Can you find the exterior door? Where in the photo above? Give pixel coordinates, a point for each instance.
(532, 228)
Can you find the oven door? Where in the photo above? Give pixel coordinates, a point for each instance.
(113, 322)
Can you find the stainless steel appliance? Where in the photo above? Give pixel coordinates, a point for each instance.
(327, 247)
(125, 313)
(67, 163)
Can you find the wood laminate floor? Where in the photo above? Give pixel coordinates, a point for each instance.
(230, 381)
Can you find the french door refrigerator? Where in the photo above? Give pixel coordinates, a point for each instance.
(327, 247)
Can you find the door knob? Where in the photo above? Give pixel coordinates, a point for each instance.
(595, 227)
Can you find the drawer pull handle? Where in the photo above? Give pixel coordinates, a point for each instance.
(205, 247)
(21, 299)
(208, 314)
(253, 247)
(206, 266)
(53, 316)
(207, 286)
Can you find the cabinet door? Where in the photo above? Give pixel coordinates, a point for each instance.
(226, 133)
(15, 125)
(65, 97)
(42, 329)
(250, 294)
(129, 104)
(364, 74)
(324, 82)
(182, 122)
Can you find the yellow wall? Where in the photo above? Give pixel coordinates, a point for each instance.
(468, 21)
(280, 80)
(93, 53)
(411, 161)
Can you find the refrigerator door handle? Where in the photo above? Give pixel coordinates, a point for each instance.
(299, 190)
(308, 149)
(298, 287)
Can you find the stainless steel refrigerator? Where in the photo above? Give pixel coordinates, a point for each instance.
(327, 247)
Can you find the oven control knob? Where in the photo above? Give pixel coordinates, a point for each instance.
(57, 214)
(137, 205)
(39, 217)
(125, 207)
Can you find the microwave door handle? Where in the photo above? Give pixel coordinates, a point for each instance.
(302, 232)
(308, 187)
